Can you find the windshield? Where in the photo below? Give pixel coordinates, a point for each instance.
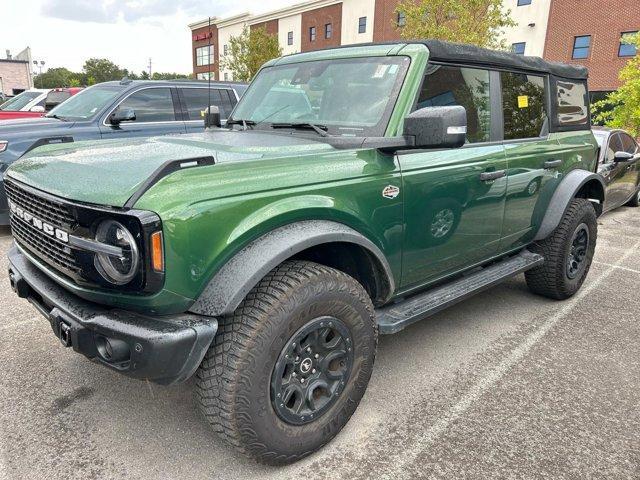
(86, 103)
(352, 96)
(19, 101)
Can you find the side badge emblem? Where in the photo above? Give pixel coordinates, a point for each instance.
(390, 191)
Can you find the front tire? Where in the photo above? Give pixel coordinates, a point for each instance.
(568, 253)
(287, 370)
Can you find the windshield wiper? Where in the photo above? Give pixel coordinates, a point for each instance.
(319, 129)
(241, 121)
(57, 117)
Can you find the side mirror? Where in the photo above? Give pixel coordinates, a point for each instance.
(37, 109)
(437, 127)
(623, 157)
(125, 115)
(212, 117)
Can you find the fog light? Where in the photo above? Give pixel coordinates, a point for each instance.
(112, 350)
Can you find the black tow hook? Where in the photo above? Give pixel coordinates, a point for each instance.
(61, 328)
(64, 333)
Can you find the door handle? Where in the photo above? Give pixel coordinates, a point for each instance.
(487, 176)
(552, 164)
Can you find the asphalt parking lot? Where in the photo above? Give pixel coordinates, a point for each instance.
(506, 385)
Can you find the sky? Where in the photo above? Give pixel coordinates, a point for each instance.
(64, 33)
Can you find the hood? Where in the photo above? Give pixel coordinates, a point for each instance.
(19, 125)
(110, 172)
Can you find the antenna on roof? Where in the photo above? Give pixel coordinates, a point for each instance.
(209, 57)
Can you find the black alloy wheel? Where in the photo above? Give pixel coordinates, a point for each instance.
(578, 252)
(312, 370)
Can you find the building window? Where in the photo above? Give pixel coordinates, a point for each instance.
(225, 48)
(402, 19)
(524, 2)
(290, 38)
(627, 49)
(362, 24)
(226, 77)
(205, 76)
(204, 55)
(581, 46)
(312, 34)
(518, 48)
(328, 30)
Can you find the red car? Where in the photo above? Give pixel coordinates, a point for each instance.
(35, 102)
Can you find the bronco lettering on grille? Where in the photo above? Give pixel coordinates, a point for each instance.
(35, 222)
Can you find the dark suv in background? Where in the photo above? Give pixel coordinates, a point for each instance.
(114, 110)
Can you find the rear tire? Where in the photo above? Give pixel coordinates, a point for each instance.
(635, 201)
(304, 319)
(568, 253)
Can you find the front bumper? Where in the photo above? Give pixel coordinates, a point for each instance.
(162, 349)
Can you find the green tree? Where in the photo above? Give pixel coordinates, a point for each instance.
(477, 22)
(249, 51)
(621, 109)
(57, 77)
(168, 76)
(98, 70)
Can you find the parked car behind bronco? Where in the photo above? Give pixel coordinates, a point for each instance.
(265, 257)
(619, 165)
(114, 110)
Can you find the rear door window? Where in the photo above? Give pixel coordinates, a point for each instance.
(197, 100)
(523, 104)
(468, 87)
(151, 105)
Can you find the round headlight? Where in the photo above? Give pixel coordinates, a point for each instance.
(117, 269)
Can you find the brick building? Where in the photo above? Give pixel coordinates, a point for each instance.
(302, 27)
(579, 31)
(589, 32)
(15, 76)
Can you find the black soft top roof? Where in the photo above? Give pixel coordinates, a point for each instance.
(470, 54)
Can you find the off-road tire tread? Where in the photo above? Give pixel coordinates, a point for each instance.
(548, 279)
(222, 372)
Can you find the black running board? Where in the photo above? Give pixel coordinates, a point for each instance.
(397, 316)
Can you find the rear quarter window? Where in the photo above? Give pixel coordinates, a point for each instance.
(571, 102)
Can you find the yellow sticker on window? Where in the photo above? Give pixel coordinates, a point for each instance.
(523, 101)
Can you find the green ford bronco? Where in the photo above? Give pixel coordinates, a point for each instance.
(352, 192)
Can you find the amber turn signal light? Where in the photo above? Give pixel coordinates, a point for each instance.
(157, 252)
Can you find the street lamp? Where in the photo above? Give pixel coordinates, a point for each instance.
(39, 64)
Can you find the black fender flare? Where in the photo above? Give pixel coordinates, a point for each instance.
(230, 285)
(565, 192)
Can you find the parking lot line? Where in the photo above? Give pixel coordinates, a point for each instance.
(618, 267)
(411, 452)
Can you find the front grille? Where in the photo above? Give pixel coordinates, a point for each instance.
(55, 213)
(58, 254)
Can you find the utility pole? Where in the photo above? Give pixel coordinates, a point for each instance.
(39, 66)
(149, 68)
